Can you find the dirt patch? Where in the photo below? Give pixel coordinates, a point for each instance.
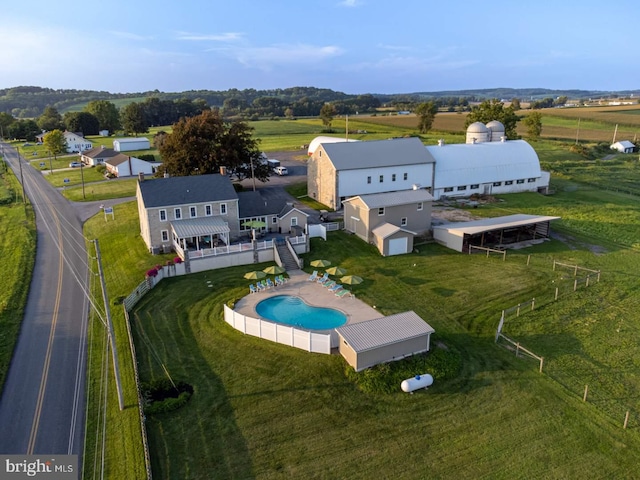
(442, 215)
(574, 243)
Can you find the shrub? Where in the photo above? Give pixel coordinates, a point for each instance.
(177, 260)
(152, 272)
(100, 168)
(147, 157)
(162, 396)
(441, 364)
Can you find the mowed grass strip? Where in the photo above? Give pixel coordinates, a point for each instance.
(17, 250)
(262, 410)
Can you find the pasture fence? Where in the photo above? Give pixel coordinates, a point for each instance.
(488, 250)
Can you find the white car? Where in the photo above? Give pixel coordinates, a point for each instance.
(281, 171)
(75, 164)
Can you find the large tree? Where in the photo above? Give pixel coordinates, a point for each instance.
(5, 121)
(495, 110)
(55, 143)
(426, 113)
(327, 113)
(24, 129)
(81, 122)
(50, 120)
(133, 119)
(204, 143)
(106, 113)
(533, 122)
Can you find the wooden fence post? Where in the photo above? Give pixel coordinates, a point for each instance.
(575, 272)
(575, 284)
(626, 420)
(533, 303)
(556, 294)
(554, 265)
(528, 259)
(541, 363)
(588, 276)
(586, 390)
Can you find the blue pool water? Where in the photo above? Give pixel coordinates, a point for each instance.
(294, 311)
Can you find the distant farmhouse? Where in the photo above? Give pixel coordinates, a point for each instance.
(75, 141)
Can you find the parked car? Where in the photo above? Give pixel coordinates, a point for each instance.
(281, 171)
(75, 164)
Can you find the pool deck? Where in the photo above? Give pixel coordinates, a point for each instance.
(313, 294)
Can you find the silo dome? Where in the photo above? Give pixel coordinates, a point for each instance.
(496, 130)
(478, 132)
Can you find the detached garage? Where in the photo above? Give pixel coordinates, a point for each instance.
(392, 240)
(130, 144)
(382, 340)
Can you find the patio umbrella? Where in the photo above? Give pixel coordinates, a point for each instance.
(336, 271)
(351, 280)
(255, 275)
(274, 270)
(320, 263)
(254, 224)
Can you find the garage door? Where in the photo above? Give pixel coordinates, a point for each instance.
(398, 246)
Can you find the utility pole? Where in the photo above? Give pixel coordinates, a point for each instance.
(50, 164)
(82, 177)
(253, 177)
(24, 196)
(114, 352)
(578, 131)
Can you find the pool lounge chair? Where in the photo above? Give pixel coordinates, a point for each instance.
(270, 283)
(329, 284)
(336, 288)
(313, 276)
(323, 278)
(263, 284)
(282, 279)
(344, 293)
(252, 289)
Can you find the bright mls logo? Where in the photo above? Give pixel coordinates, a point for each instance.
(51, 467)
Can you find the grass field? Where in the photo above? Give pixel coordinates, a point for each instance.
(17, 250)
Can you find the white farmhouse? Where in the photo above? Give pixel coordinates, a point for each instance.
(76, 142)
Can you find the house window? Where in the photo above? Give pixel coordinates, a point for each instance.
(403, 222)
(520, 181)
(381, 211)
(381, 178)
(531, 180)
(420, 206)
(405, 176)
(223, 209)
(497, 184)
(294, 221)
(393, 177)
(509, 182)
(192, 212)
(163, 215)
(368, 179)
(177, 213)
(462, 187)
(207, 210)
(165, 235)
(448, 189)
(274, 220)
(475, 186)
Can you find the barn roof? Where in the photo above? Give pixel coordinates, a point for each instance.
(315, 143)
(489, 224)
(363, 336)
(484, 162)
(377, 153)
(131, 140)
(387, 229)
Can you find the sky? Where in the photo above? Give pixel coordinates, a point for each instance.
(352, 46)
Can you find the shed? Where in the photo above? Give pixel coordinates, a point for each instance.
(392, 240)
(385, 339)
(129, 144)
(498, 232)
(623, 146)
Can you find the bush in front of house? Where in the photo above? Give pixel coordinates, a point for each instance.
(152, 272)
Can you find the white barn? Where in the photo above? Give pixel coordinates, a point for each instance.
(486, 168)
(129, 144)
(623, 146)
(315, 143)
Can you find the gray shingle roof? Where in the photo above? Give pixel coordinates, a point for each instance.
(100, 152)
(378, 153)
(253, 204)
(363, 336)
(390, 199)
(161, 192)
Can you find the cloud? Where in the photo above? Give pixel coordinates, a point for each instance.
(129, 35)
(271, 56)
(217, 37)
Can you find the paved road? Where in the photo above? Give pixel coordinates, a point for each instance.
(43, 402)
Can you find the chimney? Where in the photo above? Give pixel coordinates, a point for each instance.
(441, 142)
(223, 170)
(141, 177)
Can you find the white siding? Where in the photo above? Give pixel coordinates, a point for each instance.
(354, 182)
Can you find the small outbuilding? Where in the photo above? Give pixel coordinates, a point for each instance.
(382, 340)
(129, 144)
(392, 240)
(624, 146)
(497, 232)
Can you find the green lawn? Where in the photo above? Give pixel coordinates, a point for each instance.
(102, 190)
(17, 250)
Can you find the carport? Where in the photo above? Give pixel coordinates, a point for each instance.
(498, 232)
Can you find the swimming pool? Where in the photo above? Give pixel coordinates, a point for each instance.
(293, 311)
